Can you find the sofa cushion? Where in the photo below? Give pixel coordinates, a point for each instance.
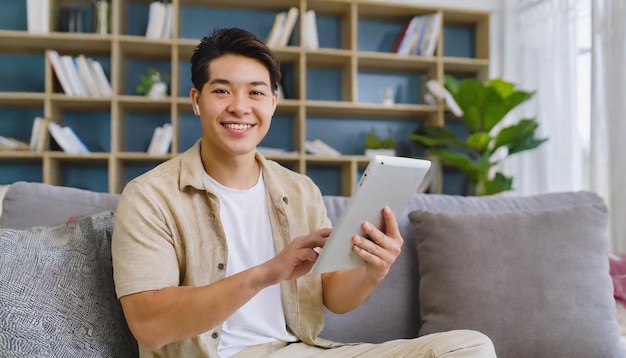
(57, 292)
(535, 281)
(29, 204)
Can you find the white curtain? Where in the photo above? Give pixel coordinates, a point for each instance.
(539, 54)
(608, 117)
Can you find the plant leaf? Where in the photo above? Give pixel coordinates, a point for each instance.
(498, 184)
(460, 161)
(503, 87)
(436, 137)
(519, 137)
(480, 141)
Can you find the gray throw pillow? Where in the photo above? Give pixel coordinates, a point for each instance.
(27, 204)
(57, 295)
(536, 282)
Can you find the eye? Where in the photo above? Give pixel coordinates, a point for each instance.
(220, 91)
(257, 93)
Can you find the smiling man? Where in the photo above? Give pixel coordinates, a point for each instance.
(212, 249)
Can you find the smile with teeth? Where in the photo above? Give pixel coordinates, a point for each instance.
(237, 126)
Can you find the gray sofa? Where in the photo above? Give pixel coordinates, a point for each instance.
(530, 272)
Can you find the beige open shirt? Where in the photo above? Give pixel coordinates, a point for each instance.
(168, 233)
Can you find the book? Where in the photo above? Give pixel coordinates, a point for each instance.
(166, 140)
(311, 40)
(318, 147)
(161, 140)
(59, 137)
(400, 37)
(102, 16)
(418, 35)
(404, 46)
(69, 67)
(77, 145)
(157, 134)
(156, 18)
(37, 17)
(7, 143)
(87, 76)
(32, 16)
(431, 35)
(290, 23)
(277, 29)
(425, 20)
(39, 134)
(55, 61)
(104, 87)
(167, 21)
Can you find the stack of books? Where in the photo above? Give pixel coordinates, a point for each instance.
(419, 36)
(283, 27)
(161, 140)
(80, 76)
(160, 21)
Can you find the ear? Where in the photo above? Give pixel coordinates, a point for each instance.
(194, 94)
(274, 101)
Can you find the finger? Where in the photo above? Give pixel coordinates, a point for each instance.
(372, 248)
(374, 234)
(370, 254)
(325, 232)
(317, 238)
(391, 223)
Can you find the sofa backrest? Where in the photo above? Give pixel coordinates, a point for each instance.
(391, 312)
(28, 204)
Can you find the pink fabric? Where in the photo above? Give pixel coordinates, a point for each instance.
(72, 220)
(618, 274)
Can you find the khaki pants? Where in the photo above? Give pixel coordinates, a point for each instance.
(452, 344)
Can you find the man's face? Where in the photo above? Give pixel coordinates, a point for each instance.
(235, 106)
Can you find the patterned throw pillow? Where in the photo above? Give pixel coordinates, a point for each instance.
(57, 292)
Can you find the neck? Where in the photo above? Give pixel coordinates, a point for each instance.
(236, 172)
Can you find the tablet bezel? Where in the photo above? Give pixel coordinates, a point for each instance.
(386, 181)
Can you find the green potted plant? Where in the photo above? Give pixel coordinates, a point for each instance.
(153, 84)
(376, 145)
(484, 105)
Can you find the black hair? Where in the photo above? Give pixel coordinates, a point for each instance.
(231, 41)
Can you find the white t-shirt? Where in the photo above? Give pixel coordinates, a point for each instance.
(246, 223)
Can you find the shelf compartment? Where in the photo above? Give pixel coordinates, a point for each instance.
(348, 134)
(17, 166)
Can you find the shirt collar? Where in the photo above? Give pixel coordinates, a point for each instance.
(192, 173)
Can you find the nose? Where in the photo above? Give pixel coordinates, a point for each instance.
(239, 105)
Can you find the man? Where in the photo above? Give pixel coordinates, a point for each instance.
(211, 249)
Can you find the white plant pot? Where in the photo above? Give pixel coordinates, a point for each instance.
(158, 90)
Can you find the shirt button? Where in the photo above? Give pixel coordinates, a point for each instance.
(220, 267)
(214, 335)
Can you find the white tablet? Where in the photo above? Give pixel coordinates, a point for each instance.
(389, 181)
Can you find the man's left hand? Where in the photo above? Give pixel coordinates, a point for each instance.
(383, 246)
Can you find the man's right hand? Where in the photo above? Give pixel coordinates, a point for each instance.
(297, 258)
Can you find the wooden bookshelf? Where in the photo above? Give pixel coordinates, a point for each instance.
(330, 87)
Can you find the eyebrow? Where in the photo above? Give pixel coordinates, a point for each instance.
(227, 82)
